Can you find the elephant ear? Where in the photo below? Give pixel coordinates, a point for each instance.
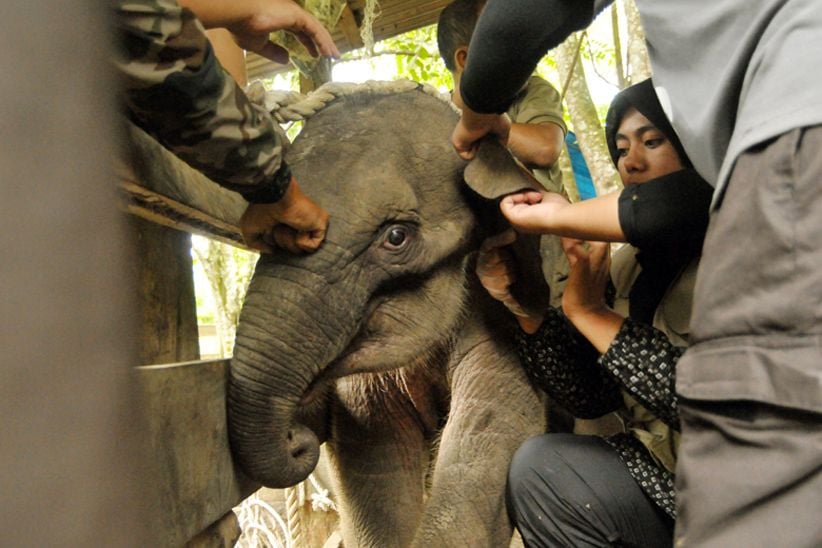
(494, 173)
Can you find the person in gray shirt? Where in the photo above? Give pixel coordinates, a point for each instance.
(741, 82)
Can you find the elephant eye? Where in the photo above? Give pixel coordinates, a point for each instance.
(396, 237)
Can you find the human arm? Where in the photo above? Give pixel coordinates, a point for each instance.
(557, 359)
(538, 128)
(550, 213)
(510, 38)
(538, 146)
(561, 362)
(174, 88)
(252, 21)
(641, 358)
(294, 222)
(496, 272)
(672, 209)
(473, 126)
(584, 298)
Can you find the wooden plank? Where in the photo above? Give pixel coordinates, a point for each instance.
(162, 210)
(348, 26)
(190, 464)
(159, 187)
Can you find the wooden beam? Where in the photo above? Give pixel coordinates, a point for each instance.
(159, 187)
(162, 210)
(349, 27)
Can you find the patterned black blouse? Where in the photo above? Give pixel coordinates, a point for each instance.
(641, 361)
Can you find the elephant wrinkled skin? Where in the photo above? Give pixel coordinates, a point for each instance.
(382, 343)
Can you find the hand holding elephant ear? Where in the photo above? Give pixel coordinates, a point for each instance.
(493, 174)
(497, 272)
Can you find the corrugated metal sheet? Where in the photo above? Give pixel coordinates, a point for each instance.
(395, 17)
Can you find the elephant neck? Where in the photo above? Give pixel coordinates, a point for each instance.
(486, 321)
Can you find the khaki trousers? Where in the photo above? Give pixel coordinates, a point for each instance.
(750, 464)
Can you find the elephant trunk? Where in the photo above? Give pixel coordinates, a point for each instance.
(287, 335)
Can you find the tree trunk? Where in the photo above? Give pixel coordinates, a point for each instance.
(584, 118)
(618, 54)
(228, 270)
(639, 66)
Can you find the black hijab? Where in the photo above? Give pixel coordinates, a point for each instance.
(663, 260)
(642, 97)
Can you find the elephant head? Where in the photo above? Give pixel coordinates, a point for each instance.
(387, 287)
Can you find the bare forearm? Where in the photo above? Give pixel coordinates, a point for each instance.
(595, 219)
(599, 326)
(536, 145)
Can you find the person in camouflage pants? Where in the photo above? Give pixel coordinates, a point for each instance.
(175, 89)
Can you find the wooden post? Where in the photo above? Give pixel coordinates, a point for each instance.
(165, 289)
(318, 76)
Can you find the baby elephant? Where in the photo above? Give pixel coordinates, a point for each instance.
(382, 343)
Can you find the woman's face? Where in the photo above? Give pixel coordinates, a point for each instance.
(645, 153)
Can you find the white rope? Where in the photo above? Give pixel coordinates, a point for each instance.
(290, 106)
(294, 497)
(372, 11)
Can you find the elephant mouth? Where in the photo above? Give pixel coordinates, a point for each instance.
(364, 349)
(353, 360)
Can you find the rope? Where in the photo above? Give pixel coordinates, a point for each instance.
(367, 28)
(294, 497)
(290, 106)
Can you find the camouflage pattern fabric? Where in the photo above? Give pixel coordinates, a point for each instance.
(176, 90)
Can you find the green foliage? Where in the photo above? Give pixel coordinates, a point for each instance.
(420, 58)
(221, 277)
(416, 57)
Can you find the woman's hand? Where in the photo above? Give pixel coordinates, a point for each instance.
(588, 277)
(495, 270)
(533, 212)
(584, 299)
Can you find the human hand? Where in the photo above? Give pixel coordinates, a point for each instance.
(251, 22)
(587, 278)
(473, 126)
(294, 223)
(496, 272)
(531, 212)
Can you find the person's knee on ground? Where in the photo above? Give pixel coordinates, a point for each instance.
(572, 490)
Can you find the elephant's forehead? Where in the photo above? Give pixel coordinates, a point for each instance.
(371, 158)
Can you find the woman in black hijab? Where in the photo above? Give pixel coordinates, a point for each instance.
(617, 354)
